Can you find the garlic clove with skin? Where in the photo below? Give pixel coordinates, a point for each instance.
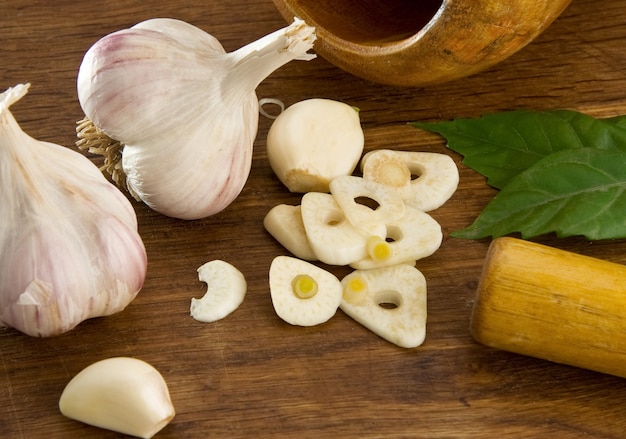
(184, 109)
(69, 246)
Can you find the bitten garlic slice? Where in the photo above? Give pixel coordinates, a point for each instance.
(334, 240)
(314, 141)
(349, 190)
(227, 288)
(303, 294)
(389, 301)
(122, 394)
(437, 176)
(414, 236)
(284, 223)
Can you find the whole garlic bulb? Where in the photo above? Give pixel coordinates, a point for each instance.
(184, 109)
(69, 246)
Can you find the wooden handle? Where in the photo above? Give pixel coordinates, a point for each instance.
(552, 304)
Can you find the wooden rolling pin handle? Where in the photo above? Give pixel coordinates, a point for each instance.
(552, 304)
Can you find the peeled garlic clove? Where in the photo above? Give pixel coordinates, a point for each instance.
(284, 223)
(389, 301)
(226, 290)
(436, 175)
(334, 240)
(69, 246)
(185, 110)
(414, 236)
(303, 294)
(122, 394)
(314, 141)
(349, 190)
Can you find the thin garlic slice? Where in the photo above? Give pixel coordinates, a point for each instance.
(389, 301)
(424, 180)
(334, 240)
(314, 141)
(122, 394)
(348, 192)
(303, 294)
(284, 223)
(414, 236)
(226, 291)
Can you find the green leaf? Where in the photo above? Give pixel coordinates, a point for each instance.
(501, 145)
(570, 192)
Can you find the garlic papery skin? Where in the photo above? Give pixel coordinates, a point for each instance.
(185, 110)
(69, 245)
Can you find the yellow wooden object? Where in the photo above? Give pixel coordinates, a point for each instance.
(552, 304)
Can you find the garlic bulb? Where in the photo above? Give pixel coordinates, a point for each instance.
(69, 247)
(184, 109)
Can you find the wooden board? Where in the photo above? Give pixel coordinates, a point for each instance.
(252, 375)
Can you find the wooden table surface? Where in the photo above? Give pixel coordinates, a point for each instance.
(251, 374)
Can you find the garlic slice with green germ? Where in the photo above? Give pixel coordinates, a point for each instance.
(303, 294)
(69, 246)
(334, 240)
(389, 301)
(122, 394)
(185, 111)
(424, 180)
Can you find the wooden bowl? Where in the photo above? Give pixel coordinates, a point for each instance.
(421, 42)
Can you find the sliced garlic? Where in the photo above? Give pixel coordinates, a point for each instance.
(314, 141)
(349, 190)
(334, 240)
(414, 236)
(303, 294)
(437, 176)
(284, 223)
(122, 394)
(69, 245)
(226, 291)
(389, 301)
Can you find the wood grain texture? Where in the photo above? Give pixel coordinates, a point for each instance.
(251, 375)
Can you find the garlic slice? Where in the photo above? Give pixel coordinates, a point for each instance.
(389, 301)
(334, 240)
(437, 176)
(226, 290)
(122, 394)
(284, 223)
(348, 190)
(303, 294)
(314, 141)
(184, 109)
(69, 245)
(414, 236)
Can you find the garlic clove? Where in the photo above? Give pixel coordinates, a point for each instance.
(414, 236)
(332, 237)
(122, 394)
(303, 294)
(386, 205)
(69, 245)
(284, 223)
(436, 175)
(185, 111)
(226, 291)
(389, 301)
(314, 141)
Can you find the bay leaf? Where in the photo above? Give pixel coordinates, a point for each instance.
(570, 192)
(501, 145)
